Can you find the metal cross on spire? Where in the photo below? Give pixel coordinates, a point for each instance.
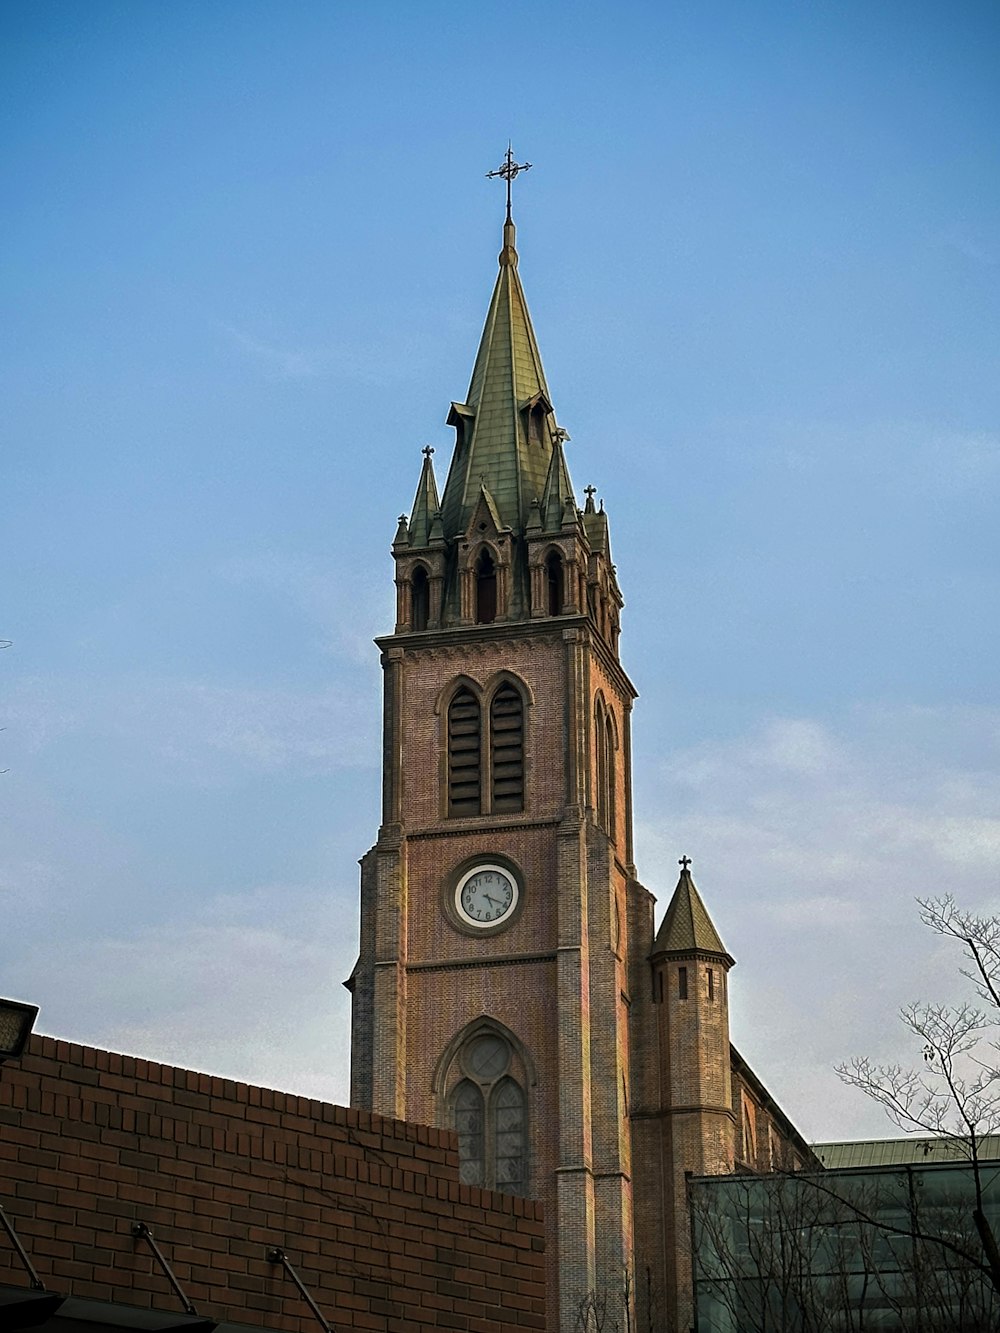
(507, 172)
(684, 862)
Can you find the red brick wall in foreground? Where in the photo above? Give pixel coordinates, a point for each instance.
(368, 1210)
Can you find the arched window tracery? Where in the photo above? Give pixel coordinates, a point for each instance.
(489, 1115)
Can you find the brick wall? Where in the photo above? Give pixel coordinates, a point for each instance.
(368, 1210)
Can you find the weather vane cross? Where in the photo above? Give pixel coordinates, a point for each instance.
(507, 172)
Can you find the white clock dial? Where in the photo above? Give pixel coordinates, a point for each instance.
(485, 895)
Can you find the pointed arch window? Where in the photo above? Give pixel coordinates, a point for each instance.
(489, 1114)
(507, 749)
(605, 747)
(420, 598)
(464, 754)
(486, 589)
(609, 764)
(600, 745)
(554, 583)
(509, 1174)
(470, 1125)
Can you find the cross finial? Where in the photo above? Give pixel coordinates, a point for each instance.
(590, 491)
(427, 450)
(508, 171)
(684, 862)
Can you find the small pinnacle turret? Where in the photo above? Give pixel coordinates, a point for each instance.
(686, 927)
(557, 494)
(426, 504)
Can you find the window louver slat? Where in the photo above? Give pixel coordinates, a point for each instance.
(507, 748)
(464, 754)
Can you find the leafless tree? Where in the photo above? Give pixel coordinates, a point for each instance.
(954, 1093)
(606, 1311)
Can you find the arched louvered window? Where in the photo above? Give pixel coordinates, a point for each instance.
(420, 594)
(507, 749)
(509, 1138)
(470, 1126)
(486, 590)
(464, 754)
(554, 583)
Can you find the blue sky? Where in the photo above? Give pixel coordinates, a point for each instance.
(248, 251)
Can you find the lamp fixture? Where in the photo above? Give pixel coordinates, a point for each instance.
(16, 1021)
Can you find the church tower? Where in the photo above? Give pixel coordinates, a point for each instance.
(509, 985)
(493, 986)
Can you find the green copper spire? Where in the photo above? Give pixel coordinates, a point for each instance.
(505, 427)
(686, 926)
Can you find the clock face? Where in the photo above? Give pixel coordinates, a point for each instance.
(485, 895)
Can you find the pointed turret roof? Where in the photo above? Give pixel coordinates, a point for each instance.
(425, 503)
(507, 388)
(558, 488)
(686, 926)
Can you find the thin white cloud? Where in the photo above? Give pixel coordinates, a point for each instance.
(296, 363)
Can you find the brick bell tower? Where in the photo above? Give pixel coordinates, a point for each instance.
(503, 932)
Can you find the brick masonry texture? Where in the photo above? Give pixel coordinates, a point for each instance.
(369, 1210)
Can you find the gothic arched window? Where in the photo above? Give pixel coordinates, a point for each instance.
(600, 746)
(470, 1116)
(507, 749)
(554, 583)
(609, 765)
(420, 595)
(464, 746)
(486, 590)
(509, 1165)
(489, 1115)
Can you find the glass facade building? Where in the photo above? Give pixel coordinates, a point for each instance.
(893, 1249)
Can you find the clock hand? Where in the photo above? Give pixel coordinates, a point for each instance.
(494, 901)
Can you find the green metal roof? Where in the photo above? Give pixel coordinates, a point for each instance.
(493, 450)
(903, 1152)
(686, 926)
